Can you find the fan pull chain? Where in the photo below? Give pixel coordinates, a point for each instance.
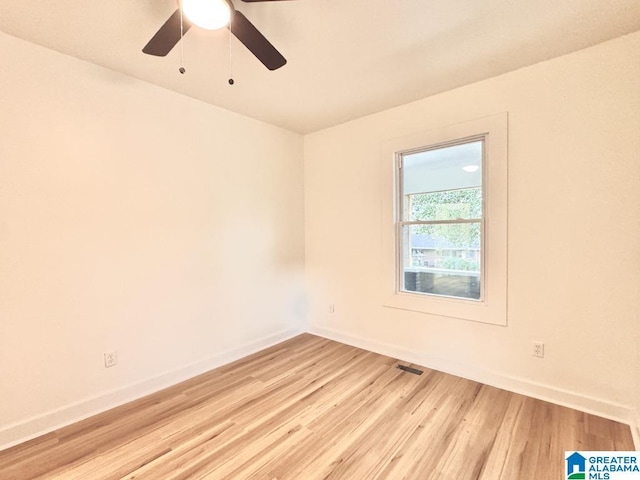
(231, 81)
(181, 69)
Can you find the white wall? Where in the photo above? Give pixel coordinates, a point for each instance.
(135, 219)
(574, 225)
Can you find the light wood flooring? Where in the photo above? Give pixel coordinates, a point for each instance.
(311, 408)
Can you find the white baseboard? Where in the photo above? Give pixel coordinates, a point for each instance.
(36, 426)
(584, 403)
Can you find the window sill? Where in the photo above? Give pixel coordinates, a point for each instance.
(473, 310)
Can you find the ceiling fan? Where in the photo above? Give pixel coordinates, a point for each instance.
(212, 15)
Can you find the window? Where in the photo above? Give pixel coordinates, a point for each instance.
(441, 219)
(445, 221)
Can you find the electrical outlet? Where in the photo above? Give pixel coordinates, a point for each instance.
(538, 349)
(332, 308)
(110, 358)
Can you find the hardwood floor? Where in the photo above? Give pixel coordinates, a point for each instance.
(310, 409)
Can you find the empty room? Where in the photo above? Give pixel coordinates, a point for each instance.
(307, 239)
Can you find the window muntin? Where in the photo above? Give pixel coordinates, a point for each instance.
(441, 220)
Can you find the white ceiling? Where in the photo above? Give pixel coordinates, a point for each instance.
(346, 58)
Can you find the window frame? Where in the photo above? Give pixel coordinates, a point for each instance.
(401, 221)
(491, 308)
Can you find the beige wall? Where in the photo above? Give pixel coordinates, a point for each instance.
(135, 219)
(574, 225)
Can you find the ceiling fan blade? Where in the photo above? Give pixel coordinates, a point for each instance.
(167, 37)
(249, 35)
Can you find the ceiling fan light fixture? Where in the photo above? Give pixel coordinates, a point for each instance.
(207, 14)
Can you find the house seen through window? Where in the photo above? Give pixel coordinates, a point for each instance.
(441, 217)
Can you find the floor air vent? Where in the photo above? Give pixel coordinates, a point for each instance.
(415, 371)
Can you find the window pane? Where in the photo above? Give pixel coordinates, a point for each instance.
(442, 259)
(447, 168)
(448, 205)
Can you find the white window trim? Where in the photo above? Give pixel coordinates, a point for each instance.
(492, 308)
